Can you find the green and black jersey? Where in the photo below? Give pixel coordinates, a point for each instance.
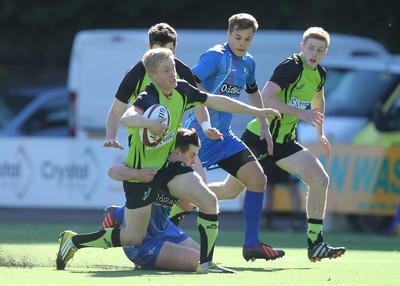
(183, 97)
(299, 84)
(136, 80)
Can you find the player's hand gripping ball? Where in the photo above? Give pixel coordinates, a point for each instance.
(153, 112)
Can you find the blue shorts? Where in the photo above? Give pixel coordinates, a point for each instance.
(214, 151)
(146, 254)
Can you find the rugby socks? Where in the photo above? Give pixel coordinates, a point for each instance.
(314, 232)
(119, 214)
(252, 210)
(207, 224)
(105, 238)
(176, 210)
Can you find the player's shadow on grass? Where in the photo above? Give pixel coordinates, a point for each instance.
(129, 272)
(263, 269)
(132, 272)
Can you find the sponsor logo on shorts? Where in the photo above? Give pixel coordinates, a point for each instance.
(146, 194)
(164, 200)
(262, 156)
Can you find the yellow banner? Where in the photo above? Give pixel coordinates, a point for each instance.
(363, 180)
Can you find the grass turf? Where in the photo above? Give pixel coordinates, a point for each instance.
(28, 251)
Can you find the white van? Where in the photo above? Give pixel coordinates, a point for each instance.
(100, 58)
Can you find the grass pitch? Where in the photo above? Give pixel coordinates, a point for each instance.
(28, 251)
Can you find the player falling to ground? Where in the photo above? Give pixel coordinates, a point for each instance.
(297, 83)
(177, 96)
(165, 246)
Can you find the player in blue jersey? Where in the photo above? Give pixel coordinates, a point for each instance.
(227, 69)
(165, 246)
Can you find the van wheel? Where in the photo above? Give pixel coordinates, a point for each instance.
(371, 223)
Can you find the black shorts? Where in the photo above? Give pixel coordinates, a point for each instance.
(142, 194)
(277, 175)
(233, 163)
(260, 147)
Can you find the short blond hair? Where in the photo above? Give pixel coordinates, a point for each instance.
(154, 57)
(316, 33)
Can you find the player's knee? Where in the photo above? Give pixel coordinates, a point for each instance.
(325, 181)
(131, 239)
(257, 182)
(208, 203)
(319, 181)
(135, 241)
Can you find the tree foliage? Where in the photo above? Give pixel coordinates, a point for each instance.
(41, 32)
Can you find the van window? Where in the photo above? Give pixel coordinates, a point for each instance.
(52, 117)
(356, 92)
(10, 105)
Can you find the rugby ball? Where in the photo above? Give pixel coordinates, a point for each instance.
(153, 112)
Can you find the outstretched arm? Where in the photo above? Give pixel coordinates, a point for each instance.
(203, 117)
(224, 103)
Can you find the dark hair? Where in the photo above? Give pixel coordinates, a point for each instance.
(185, 138)
(242, 21)
(161, 34)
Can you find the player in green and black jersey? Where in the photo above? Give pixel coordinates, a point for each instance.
(174, 177)
(297, 83)
(136, 79)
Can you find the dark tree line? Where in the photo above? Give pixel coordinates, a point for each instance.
(36, 36)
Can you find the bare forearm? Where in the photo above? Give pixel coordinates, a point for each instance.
(256, 100)
(270, 99)
(226, 104)
(112, 124)
(122, 173)
(114, 118)
(319, 101)
(132, 119)
(201, 114)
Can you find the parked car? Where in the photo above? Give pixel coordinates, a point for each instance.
(35, 111)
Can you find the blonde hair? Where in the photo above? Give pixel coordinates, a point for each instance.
(316, 33)
(154, 57)
(242, 21)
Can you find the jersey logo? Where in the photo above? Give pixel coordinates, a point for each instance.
(298, 103)
(231, 89)
(146, 194)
